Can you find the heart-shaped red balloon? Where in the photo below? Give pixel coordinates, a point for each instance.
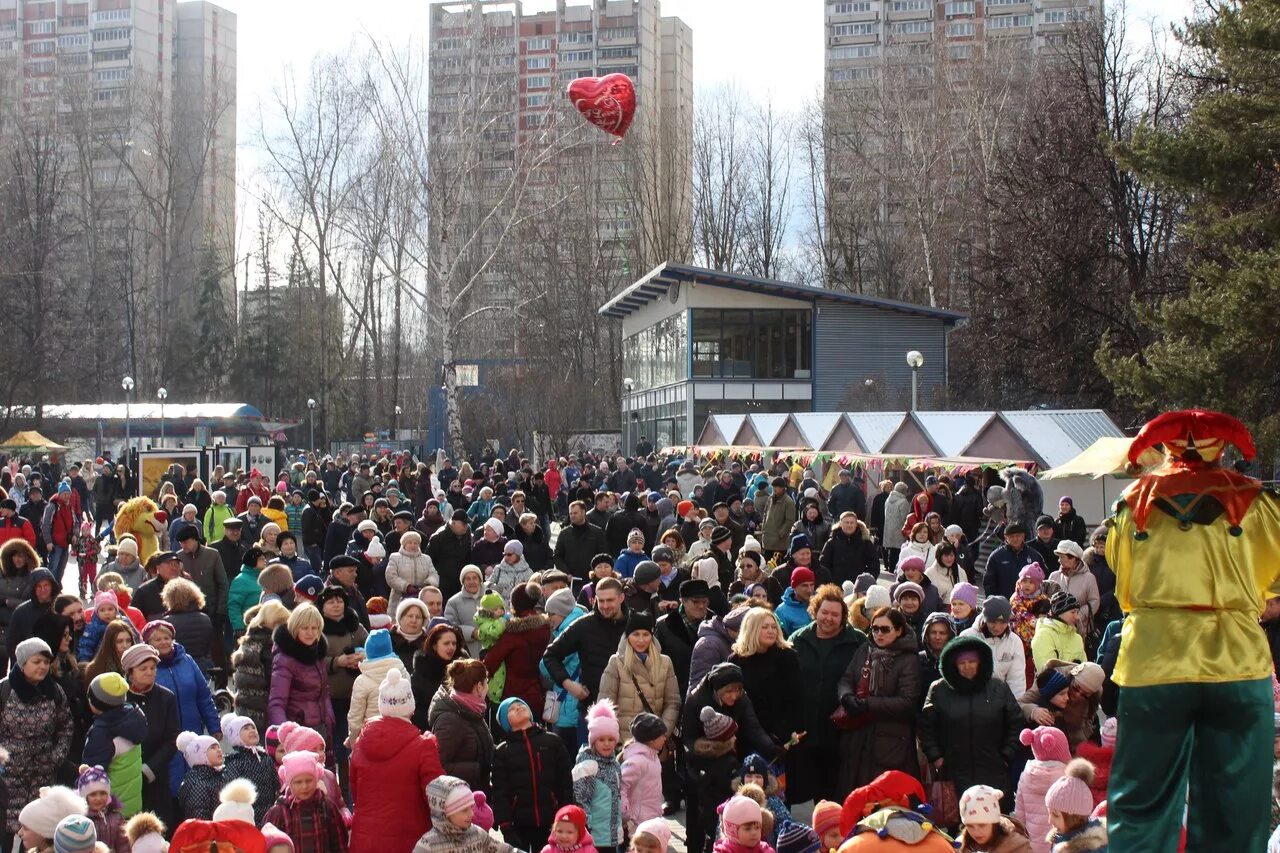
(608, 102)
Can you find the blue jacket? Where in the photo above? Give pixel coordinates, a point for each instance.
(91, 639)
(625, 564)
(299, 566)
(1002, 569)
(792, 614)
(569, 709)
(196, 713)
(126, 722)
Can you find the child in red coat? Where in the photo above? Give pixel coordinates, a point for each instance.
(1100, 757)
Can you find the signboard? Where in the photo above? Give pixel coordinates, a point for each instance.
(468, 375)
(232, 457)
(154, 464)
(263, 457)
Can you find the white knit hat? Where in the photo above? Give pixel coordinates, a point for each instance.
(980, 804)
(232, 725)
(375, 549)
(395, 696)
(496, 526)
(877, 597)
(236, 798)
(128, 545)
(43, 814)
(751, 544)
(195, 748)
(707, 569)
(407, 604)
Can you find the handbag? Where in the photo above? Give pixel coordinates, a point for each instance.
(943, 800)
(668, 748)
(551, 707)
(842, 719)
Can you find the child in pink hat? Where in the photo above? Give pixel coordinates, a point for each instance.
(302, 812)
(1070, 803)
(741, 827)
(1049, 746)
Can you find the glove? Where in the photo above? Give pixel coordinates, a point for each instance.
(853, 705)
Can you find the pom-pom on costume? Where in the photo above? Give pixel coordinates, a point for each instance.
(1194, 547)
(889, 814)
(138, 516)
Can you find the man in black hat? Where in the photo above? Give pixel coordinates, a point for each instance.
(722, 550)
(342, 572)
(450, 549)
(736, 531)
(677, 631)
(205, 568)
(339, 533)
(313, 528)
(147, 598)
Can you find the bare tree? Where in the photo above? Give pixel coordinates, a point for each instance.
(769, 191)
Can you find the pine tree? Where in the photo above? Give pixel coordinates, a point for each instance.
(1218, 346)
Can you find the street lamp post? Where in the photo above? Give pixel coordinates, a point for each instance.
(127, 385)
(163, 395)
(915, 359)
(311, 404)
(627, 385)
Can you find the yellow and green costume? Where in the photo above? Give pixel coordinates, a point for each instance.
(1194, 547)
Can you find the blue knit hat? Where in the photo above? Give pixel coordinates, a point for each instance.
(75, 834)
(505, 708)
(378, 646)
(794, 837)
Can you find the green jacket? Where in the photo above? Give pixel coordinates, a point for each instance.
(244, 593)
(213, 518)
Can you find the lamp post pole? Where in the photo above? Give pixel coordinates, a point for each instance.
(163, 395)
(311, 404)
(627, 385)
(915, 359)
(127, 385)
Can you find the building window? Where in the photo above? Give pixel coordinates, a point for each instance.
(745, 344)
(912, 5)
(850, 8)
(960, 51)
(117, 34)
(40, 28)
(541, 81)
(849, 75)
(855, 29)
(538, 63)
(537, 44)
(959, 7)
(535, 100)
(618, 33)
(658, 355)
(113, 75)
(577, 56)
(65, 42)
(961, 28)
(577, 37)
(856, 51)
(111, 15)
(617, 52)
(909, 28)
(1055, 16)
(991, 3)
(41, 66)
(40, 48)
(1004, 22)
(112, 56)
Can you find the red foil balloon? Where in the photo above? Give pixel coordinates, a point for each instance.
(608, 102)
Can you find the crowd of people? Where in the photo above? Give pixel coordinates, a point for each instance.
(384, 655)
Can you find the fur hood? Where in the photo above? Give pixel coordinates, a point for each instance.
(12, 547)
(863, 531)
(285, 642)
(524, 624)
(1090, 837)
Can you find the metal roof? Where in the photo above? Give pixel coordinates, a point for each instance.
(141, 411)
(659, 281)
(874, 428)
(728, 425)
(816, 427)
(767, 426)
(1059, 435)
(952, 432)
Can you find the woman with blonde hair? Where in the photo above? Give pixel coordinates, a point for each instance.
(267, 541)
(251, 663)
(639, 678)
(770, 673)
(300, 674)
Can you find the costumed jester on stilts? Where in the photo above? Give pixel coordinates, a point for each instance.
(1194, 546)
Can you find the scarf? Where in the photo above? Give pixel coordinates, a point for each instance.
(469, 701)
(28, 692)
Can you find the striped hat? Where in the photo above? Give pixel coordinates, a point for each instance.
(75, 834)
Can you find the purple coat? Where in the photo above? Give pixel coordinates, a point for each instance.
(300, 684)
(711, 648)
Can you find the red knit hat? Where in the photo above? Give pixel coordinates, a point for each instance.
(892, 787)
(574, 815)
(684, 508)
(801, 575)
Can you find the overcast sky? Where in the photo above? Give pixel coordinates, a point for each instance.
(770, 48)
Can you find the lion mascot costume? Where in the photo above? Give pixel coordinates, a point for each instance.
(138, 516)
(1194, 546)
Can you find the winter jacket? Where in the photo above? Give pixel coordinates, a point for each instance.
(214, 517)
(364, 693)
(449, 553)
(782, 514)
(22, 622)
(1002, 569)
(1071, 526)
(712, 647)
(300, 684)
(1084, 586)
(244, 593)
(597, 787)
(1078, 720)
(932, 600)
(444, 837)
(196, 712)
(972, 724)
(625, 678)
(406, 570)
(886, 740)
(198, 794)
(427, 677)
(821, 663)
(772, 680)
(712, 757)
(520, 648)
(391, 765)
(159, 748)
(1101, 758)
(204, 568)
(847, 497)
(194, 630)
(531, 778)
(89, 641)
(506, 577)
(641, 783)
(109, 826)
(466, 746)
(677, 638)
(460, 610)
(1090, 838)
(336, 537)
(1008, 656)
(594, 639)
(1055, 639)
(14, 582)
(846, 557)
(896, 509)
(1036, 779)
(537, 551)
(966, 510)
(256, 766)
(342, 638)
(114, 742)
(251, 666)
(569, 707)
(792, 614)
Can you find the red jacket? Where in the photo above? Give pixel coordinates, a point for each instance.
(63, 526)
(521, 647)
(16, 527)
(242, 499)
(391, 766)
(1100, 757)
(552, 478)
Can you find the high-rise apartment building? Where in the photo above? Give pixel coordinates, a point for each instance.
(497, 98)
(141, 96)
(908, 85)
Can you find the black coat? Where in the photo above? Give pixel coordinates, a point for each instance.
(575, 547)
(876, 519)
(449, 552)
(847, 498)
(537, 553)
(194, 630)
(160, 707)
(532, 778)
(335, 543)
(772, 680)
(427, 676)
(595, 639)
(314, 529)
(148, 598)
(231, 553)
(846, 557)
(621, 524)
(751, 736)
(822, 663)
(677, 640)
(966, 510)
(973, 725)
(887, 739)
(1071, 526)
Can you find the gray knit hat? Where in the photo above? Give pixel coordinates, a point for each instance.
(560, 602)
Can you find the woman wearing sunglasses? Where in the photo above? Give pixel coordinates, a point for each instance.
(880, 691)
